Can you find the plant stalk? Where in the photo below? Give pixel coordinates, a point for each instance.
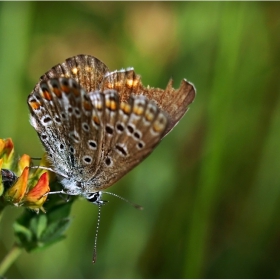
(10, 259)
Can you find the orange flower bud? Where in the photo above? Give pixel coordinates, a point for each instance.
(15, 193)
(35, 198)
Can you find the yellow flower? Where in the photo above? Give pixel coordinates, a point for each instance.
(6, 152)
(23, 186)
(23, 162)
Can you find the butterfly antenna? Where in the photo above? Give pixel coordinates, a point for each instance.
(139, 207)
(96, 233)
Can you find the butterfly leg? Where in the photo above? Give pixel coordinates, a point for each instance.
(57, 192)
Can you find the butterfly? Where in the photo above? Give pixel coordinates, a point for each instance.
(96, 125)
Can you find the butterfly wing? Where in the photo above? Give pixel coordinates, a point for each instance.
(92, 74)
(132, 130)
(87, 70)
(174, 102)
(68, 126)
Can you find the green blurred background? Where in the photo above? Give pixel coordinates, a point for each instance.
(211, 189)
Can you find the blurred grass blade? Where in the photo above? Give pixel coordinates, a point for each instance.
(221, 98)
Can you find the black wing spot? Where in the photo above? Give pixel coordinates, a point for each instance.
(109, 129)
(121, 150)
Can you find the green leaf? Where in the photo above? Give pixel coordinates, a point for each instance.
(42, 246)
(59, 211)
(38, 225)
(22, 233)
(55, 230)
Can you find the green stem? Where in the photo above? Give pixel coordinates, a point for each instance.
(10, 259)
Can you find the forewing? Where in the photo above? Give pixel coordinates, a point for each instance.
(67, 124)
(87, 70)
